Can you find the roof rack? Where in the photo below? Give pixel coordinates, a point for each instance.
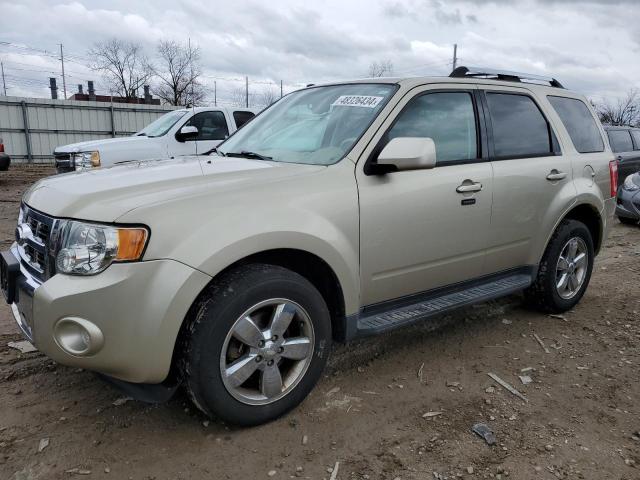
(466, 72)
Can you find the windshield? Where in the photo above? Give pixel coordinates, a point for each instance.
(316, 126)
(160, 126)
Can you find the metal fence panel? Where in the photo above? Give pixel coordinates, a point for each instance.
(51, 123)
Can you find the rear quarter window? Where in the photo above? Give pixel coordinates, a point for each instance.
(579, 122)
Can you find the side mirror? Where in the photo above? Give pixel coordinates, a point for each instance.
(407, 153)
(188, 132)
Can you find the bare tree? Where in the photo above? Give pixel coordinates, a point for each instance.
(178, 72)
(269, 96)
(238, 97)
(382, 69)
(123, 64)
(623, 111)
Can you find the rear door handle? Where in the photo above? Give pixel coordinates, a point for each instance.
(555, 175)
(469, 187)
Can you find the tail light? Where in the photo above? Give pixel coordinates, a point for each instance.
(613, 176)
(1, 146)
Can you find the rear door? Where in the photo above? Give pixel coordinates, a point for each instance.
(630, 162)
(419, 229)
(529, 175)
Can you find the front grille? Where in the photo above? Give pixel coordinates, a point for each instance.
(35, 250)
(64, 162)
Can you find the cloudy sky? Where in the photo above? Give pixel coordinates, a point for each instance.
(592, 46)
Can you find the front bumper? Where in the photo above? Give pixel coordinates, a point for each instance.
(628, 204)
(137, 308)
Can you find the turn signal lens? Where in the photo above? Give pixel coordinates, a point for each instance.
(131, 242)
(95, 159)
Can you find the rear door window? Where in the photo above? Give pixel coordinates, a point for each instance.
(242, 117)
(620, 141)
(636, 139)
(579, 122)
(519, 128)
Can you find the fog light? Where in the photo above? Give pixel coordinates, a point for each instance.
(78, 336)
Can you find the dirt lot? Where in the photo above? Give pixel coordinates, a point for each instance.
(581, 419)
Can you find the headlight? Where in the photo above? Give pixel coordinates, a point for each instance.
(629, 184)
(87, 249)
(85, 160)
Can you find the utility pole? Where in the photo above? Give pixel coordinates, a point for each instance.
(280, 88)
(455, 55)
(246, 91)
(64, 81)
(4, 84)
(215, 93)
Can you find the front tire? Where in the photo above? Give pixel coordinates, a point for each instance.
(565, 270)
(256, 344)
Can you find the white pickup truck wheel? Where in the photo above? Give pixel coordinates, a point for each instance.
(257, 344)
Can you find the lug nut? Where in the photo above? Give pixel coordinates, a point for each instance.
(261, 343)
(274, 338)
(280, 350)
(270, 362)
(259, 358)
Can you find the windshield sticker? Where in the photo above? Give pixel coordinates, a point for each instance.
(367, 101)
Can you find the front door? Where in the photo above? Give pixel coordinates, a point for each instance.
(423, 229)
(212, 130)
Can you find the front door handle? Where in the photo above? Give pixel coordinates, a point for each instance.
(469, 187)
(555, 175)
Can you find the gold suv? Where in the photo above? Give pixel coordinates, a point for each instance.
(343, 210)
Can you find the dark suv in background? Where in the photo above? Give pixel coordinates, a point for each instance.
(5, 160)
(625, 143)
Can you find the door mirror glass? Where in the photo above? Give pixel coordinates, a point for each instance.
(188, 132)
(409, 153)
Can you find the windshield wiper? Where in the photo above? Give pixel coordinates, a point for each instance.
(215, 150)
(141, 134)
(246, 154)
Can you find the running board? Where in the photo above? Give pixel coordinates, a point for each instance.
(438, 302)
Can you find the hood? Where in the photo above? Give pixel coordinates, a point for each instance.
(105, 194)
(98, 144)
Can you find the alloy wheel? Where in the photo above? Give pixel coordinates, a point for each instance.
(267, 351)
(571, 269)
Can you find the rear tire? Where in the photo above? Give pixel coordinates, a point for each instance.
(256, 344)
(564, 271)
(628, 221)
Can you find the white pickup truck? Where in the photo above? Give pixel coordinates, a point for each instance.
(181, 132)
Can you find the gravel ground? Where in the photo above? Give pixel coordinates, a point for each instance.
(367, 415)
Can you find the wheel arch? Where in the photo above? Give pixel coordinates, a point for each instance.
(592, 219)
(587, 214)
(304, 263)
(311, 267)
